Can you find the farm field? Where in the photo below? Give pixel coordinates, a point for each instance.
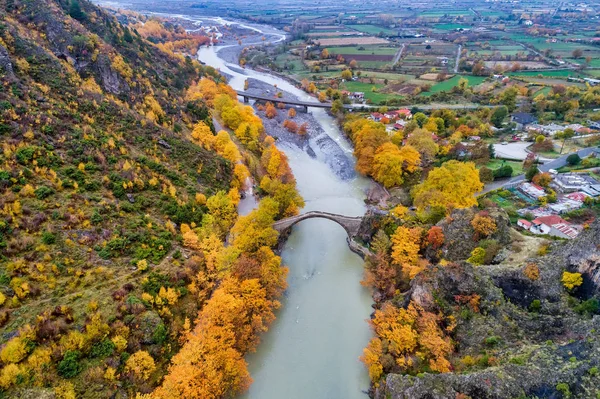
(450, 83)
(372, 29)
(554, 73)
(451, 26)
(377, 50)
(374, 97)
(349, 41)
(441, 13)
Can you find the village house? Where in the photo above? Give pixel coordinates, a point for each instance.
(553, 225)
(531, 190)
(376, 116)
(564, 205)
(398, 114)
(553, 128)
(572, 182)
(522, 119)
(400, 124)
(356, 95)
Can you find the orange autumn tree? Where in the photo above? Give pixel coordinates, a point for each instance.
(435, 237)
(210, 365)
(411, 337)
(483, 225)
(367, 136)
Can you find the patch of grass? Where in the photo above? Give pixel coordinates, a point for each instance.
(450, 83)
(375, 97)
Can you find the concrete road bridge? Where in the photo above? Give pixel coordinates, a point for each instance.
(304, 105)
(296, 103)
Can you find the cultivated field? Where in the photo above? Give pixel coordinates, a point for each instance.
(349, 41)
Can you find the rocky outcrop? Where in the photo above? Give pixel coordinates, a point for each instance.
(549, 350)
(6, 66)
(460, 236)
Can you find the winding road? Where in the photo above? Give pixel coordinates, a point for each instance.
(554, 164)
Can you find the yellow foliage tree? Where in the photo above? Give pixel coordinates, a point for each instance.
(452, 185)
(571, 280)
(141, 364)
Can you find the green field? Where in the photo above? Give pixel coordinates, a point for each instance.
(441, 13)
(451, 26)
(544, 91)
(496, 163)
(552, 73)
(450, 83)
(594, 63)
(366, 88)
(372, 29)
(363, 50)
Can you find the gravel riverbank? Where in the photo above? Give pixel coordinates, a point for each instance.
(315, 143)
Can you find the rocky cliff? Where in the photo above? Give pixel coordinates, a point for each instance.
(525, 335)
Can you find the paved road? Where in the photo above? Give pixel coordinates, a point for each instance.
(398, 55)
(554, 164)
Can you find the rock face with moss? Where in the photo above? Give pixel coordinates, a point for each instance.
(519, 332)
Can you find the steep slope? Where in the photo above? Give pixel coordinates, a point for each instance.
(97, 174)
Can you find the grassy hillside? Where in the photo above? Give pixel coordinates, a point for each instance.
(97, 174)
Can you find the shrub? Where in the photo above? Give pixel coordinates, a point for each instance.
(573, 159)
(589, 307)
(563, 388)
(43, 192)
(571, 280)
(492, 341)
(69, 366)
(503, 171)
(48, 238)
(532, 271)
(14, 351)
(141, 364)
(102, 349)
(477, 256)
(535, 305)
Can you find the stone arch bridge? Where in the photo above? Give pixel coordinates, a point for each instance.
(353, 225)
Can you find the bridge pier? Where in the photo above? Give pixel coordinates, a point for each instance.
(246, 99)
(305, 109)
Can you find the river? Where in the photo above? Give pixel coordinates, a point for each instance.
(312, 350)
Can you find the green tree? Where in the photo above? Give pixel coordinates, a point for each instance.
(337, 107)
(509, 98)
(486, 175)
(76, 12)
(531, 172)
(573, 159)
(500, 113)
(564, 136)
